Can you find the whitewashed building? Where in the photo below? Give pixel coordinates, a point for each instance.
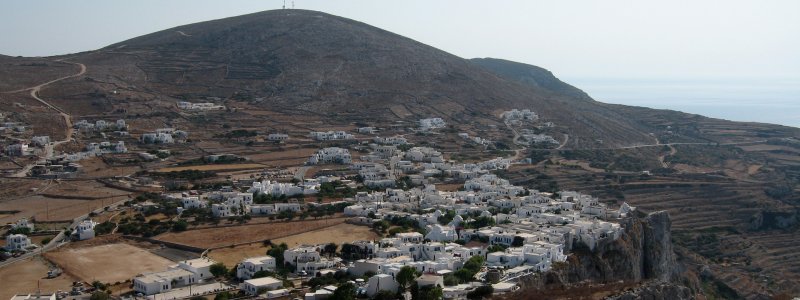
(331, 155)
(248, 267)
(254, 287)
(277, 137)
(23, 223)
(85, 230)
(431, 123)
(331, 135)
(17, 242)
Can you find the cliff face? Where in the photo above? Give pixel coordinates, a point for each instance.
(642, 254)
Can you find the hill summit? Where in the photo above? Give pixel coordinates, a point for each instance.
(312, 62)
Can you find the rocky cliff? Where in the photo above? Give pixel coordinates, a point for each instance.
(643, 254)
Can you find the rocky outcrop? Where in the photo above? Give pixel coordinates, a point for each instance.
(643, 253)
(658, 255)
(656, 291)
(766, 220)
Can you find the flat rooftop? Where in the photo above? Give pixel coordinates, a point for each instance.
(263, 281)
(165, 276)
(199, 262)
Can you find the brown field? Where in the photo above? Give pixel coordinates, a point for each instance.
(286, 154)
(338, 234)
(95, 167)
(46, 209)
(15, 188)
(342, 233)
(225, 236)
(86, 190)
(232, 256)
(52, 226)
(39, 238)
(108, 263)
(21, 277)
(213, 168)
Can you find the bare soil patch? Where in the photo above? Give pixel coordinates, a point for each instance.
(342, 233)
(47, 209)
(213, 168)
(21, 277)
(108, 263)
(231, 256)
(95, 167)
(225, 236)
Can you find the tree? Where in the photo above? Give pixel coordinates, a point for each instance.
(261, 274)
(385, 295)
(330, 249)
(180, 226)
(223, 296)
(99, 295)
(277, 253)
(406, 276)
(518, 241)
(470, 268)
(496, 248)
(345, 291)
(218, 269)
(99, 285)
(480, 292)
(428, 292)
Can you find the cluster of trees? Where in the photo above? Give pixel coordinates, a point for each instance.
(352, 252)
(466, 273)
(402, 224)
(19, 230)
(429, 292)
(335, 189)
(479, 222)
(339, 277)
(404, 183)
(104, 228)
(138, 226)
(447, 217)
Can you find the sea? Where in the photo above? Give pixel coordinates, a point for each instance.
(756, 100)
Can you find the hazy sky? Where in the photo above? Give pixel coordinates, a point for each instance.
(574, 39)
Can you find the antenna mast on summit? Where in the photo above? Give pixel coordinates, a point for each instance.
(292, 4)
(284, 4)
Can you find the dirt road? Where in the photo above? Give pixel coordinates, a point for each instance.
(49, 148)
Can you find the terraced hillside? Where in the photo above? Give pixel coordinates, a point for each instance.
(734, 208)
(732, 188)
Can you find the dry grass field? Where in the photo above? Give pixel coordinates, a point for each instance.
(231, 167)
(109, 263)
(225, 236)
(89, 189)
(95, 167)
(47, 209)
(52, 200)
(22, 277)
(338, 234)
(230, 256)
(15, 188)
(342, 233)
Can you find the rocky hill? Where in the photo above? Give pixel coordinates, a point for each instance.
(316, 63)
(727, 184)
(641, 262)
(326, 67)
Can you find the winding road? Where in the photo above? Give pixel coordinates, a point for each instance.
(49, 148)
